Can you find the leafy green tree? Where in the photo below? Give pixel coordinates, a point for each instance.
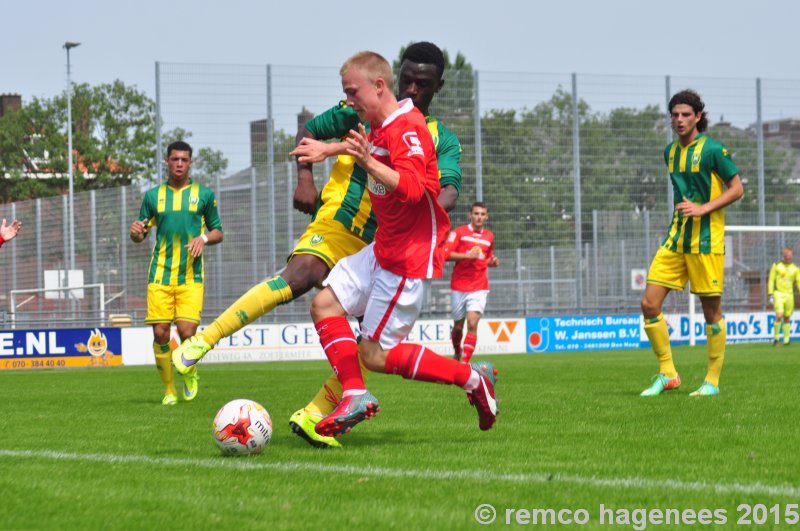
(113, 141)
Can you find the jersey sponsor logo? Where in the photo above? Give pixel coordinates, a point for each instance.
(412, 141)
(317, 239)
(375, 187)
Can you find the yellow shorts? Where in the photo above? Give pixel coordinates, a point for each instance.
(166, 304)
(705, 272)
(783, 303)
(328, 240)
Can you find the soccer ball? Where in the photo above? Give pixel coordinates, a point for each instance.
(242, 427)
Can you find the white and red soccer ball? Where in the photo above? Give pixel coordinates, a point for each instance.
(242, 427)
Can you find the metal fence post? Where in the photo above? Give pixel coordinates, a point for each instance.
(255, 277)
(271, 169)
(576, 186)
(124, 238)
(39, 260)
(93, 233)
(14, 251)
(595, 257)
(762, 220)
(289, 206)
(159, 148)
(553, 291)
(670, 192)
(478, 139)
(520, 291)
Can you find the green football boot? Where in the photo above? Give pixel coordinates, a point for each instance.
(302, 424)
(189, 353)
(660, 384)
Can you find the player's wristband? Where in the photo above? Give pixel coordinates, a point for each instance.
(205, 238)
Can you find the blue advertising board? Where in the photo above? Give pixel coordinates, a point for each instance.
(75, 347)
(583, 332)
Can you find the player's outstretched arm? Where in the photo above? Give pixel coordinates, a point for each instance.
(9, 231)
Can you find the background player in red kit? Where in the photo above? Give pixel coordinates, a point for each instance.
(471, 247)
(386, 281)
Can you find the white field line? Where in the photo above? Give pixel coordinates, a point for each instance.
(446, 475)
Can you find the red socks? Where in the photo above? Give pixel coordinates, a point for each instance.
(339, 344)
(455, 336)
(469, 346)
(415, 362)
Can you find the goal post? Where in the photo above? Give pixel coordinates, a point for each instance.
(90, 306)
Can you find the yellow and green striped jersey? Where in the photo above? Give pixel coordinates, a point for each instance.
(179, 216)
(698, 173)
(345, 197)
(782, 277)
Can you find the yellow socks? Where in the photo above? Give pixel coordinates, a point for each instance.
(787, 330)
(324, 402)
(163, 355)
(716, 350)
(260, 299)
(658, 334)
(777, 329)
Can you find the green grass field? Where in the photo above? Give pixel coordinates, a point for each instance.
(94, 449)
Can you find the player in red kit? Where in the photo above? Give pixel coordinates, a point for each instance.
(471, 247)
(387, 280)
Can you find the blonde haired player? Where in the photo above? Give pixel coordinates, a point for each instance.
(386, 281)
(342, 224)
(783, 276)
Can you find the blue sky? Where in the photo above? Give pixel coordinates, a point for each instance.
(123, 40)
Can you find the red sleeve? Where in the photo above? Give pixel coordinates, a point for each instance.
(450, 244)
(2, 241)
(408, 158)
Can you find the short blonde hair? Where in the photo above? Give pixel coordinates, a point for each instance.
(373, 65)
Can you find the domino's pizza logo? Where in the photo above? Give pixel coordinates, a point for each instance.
(414, 145)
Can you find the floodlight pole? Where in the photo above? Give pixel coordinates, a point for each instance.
(67, 46)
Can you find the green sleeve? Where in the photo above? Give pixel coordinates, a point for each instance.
(333, 123)
(448, 158)
(211, 213)
(147, 210)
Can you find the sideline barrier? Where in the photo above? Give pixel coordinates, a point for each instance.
(104, 347)
(608, 332)
(299, 341)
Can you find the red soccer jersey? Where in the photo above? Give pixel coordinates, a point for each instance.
(470, 275)
(412, 225)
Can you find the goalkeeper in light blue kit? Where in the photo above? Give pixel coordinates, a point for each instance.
(782, 278)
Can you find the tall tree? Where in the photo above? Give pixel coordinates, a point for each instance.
(114, 142)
